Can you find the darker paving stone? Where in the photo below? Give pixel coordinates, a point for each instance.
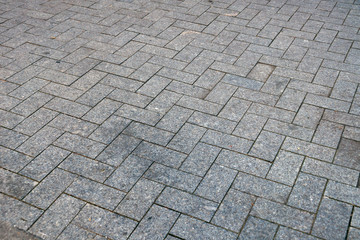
(242, 82)
(18, 213)
(148, 133)
(187, 203)
(267, 145)
(139, 199)
(285, 233)
(308, 149)
(216, 183)
(110, 129)
(15, 185)
(160, 154)
(343, 192)
(348, 154)
(190, 228)
(139, 114)
(10, 138)
(115, 153)
(330, 171)
(261, 187)
(307, 192)
(174, 119)
(212, 122)
(156, 224)
(57, 217)
(50, 188)
(172, 177)
(285, 168)
(87, 167)
(282, 214)
(80, 145)
(332, 219)
(44, 163)
(95, 193)
(12, 160)
(227, 141)
(112, 225)
(129, 172)
(200, 159)
(187, 137)
(73, 125)
(256, 228)
(233, 210)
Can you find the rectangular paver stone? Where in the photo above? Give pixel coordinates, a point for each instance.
(307, 192)
(86, 167)
(96, 193)
(50, 188)
(172, 177)
(282, 214)
(256, 228)
(267, 145)
(156, 224)
(190, 228)
(187, 203)
(63, 210)
(330, 171)
(332, 219)
(139, 199)
(216, 183)
(233, 210)
(125, 176)
(112, 225)
(285, 168)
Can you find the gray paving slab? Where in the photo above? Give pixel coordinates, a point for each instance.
(180, 119)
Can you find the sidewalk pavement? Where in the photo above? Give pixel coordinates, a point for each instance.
(180, 119)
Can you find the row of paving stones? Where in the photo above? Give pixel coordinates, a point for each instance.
(180, 119)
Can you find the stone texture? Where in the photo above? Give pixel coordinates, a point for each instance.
(180, 119)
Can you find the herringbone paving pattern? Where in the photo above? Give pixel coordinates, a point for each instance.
(180, 119)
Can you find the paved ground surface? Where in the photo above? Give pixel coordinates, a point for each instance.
(180, 119)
